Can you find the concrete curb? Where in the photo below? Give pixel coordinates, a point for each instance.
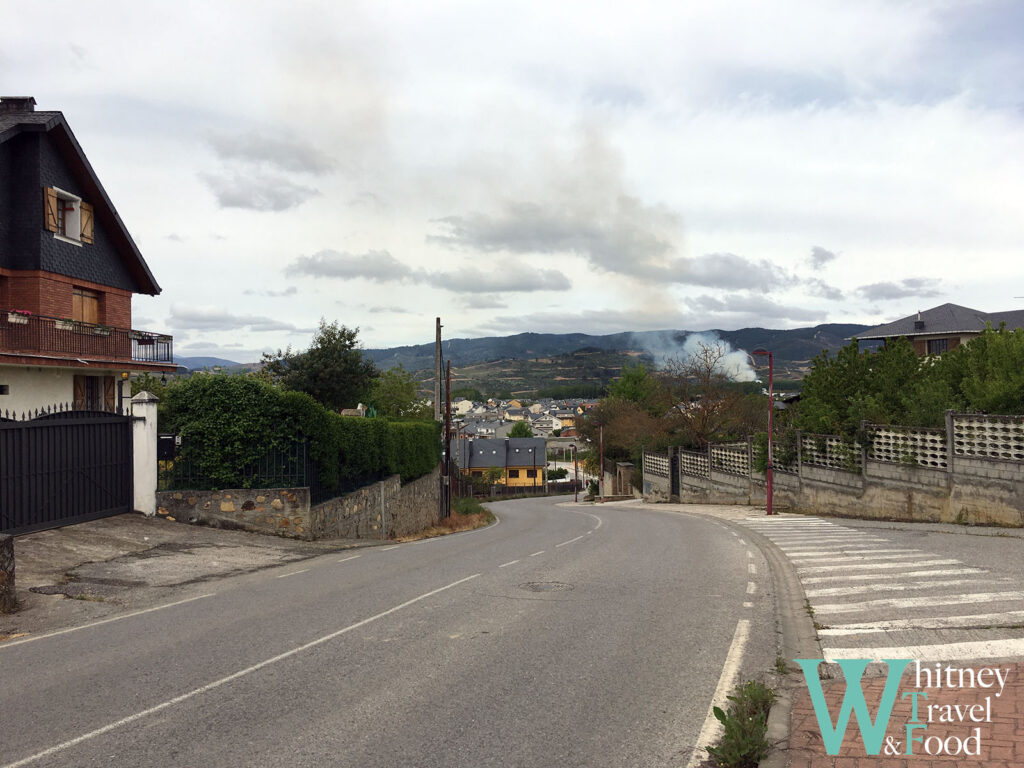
(799, 640)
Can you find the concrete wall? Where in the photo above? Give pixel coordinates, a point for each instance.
(386, 509)
(8, 602)
(144, 464)
(656, 488)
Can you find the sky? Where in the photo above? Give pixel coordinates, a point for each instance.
(550, 167)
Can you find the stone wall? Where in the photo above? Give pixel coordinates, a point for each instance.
(277, 511)
(384, 510)
(8, 600)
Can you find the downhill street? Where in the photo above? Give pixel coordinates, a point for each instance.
(590, 635)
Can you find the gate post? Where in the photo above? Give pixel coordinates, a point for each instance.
(144, 452)
(8, 597)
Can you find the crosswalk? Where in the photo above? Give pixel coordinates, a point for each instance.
(873, 598)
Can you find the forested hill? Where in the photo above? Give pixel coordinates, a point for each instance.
(792, 348)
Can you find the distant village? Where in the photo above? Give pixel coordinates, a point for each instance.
(546, 417)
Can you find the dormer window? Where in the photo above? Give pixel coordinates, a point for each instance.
(67, 216)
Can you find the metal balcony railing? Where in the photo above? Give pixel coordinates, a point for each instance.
(42, 335)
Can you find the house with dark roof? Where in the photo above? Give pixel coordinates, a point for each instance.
(520, 459)
(68, 270)
(938, 329)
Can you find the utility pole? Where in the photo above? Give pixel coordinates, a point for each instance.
(437, 373)
(446, 469)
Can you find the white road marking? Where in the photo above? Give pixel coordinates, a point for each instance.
(286, 575)
(936, 622)
(506, 565)
(224, 680)
(712, 729)
(570, 541)
(751, 569)
(748, 605)
(743, 542)
(749, 553)
(920, 602)
(888, 586)
(751, 587)
(346, 559)
(876, 566)
(868, 576)
(797, 554)
(11, 643)
(852, 556)
(388, 549)
(978, 649)
(538, 553)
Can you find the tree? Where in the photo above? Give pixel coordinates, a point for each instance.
(520, 429)
(639, 386)
(333, 370)
(395, 395)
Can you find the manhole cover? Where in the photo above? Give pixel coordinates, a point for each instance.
(545, 586)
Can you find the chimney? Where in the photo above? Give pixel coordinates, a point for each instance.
(17, 104)
(919, 323)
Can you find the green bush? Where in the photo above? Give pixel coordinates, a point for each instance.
(743, 744)
(228, 423)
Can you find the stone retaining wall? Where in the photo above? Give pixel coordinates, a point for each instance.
(386, 509)
(277, 511)
(8, 600)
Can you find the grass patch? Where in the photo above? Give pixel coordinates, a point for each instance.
(467, 514)
(89, 598)
(780, 666)
(746, 722)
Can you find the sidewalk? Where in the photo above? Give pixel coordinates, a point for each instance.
(89, 571)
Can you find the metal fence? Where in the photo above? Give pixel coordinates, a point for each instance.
(277, 468)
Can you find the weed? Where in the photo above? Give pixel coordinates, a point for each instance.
(468, 514)
(808, 608)
(743, 744)
(90, 598)
(780, 666)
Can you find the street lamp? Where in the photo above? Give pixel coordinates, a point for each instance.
(575, 475)
(771, 408)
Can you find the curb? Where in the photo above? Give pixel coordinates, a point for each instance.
(799, 640)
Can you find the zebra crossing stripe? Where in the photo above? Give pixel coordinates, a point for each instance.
(931, 622)
(920, 602)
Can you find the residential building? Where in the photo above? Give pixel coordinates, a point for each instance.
(68, 270)
(520, 459)
(941, 328)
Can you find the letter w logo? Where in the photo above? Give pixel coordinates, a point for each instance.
(872, 732)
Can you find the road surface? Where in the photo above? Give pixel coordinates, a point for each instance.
(563, 636)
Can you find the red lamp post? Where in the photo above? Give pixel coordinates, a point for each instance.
(771, 409)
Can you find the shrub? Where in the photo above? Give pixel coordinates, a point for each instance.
(743, 744)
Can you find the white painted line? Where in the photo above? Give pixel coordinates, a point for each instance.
(506, 565)
(750, 554)
(11, 643)
(388, 549)
(286, 575)
(346, 559)
(849, 557)
(743, 542)
(751, 587)
(978, 649)
(796, 554)
(751, 569)
(538, 553)
(589, 532)
(224, 680)
(868, 576)
(935, 622)
(712, 729)
(748, 605)
(888, 586)
(875, 566)
(570, 541)
(920, 602)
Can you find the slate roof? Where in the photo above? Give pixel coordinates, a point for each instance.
(14, 122)
(947, 318)
(510, 452)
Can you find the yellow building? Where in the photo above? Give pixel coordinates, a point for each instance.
(521, 460)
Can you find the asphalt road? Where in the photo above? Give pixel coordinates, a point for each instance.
(563, 636)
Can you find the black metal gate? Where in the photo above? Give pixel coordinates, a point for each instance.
(63, 468)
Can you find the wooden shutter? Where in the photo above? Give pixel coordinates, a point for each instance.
(85, 210)
(109, 392)
(79, 393)
(50, 209)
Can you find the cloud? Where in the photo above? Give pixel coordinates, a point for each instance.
(736, 310)
(821, 256)
(483, 301)
(174, 237)
(215, 319)
(256, 191)
(252, 148)
(291, 290)
(390, 310)
(923, 287)
(818, 287)
(382, 267)
(379, 266)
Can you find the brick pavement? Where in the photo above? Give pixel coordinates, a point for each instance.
(1001, 739)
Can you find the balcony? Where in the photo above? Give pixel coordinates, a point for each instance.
(61, 338)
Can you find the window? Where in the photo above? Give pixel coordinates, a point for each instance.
(85, 306)
(513, 473)
(67, 216)
(531, 473)
(937, 346)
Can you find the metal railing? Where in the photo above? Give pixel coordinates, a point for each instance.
(45, 335)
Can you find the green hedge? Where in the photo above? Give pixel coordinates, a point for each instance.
(228, 423)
